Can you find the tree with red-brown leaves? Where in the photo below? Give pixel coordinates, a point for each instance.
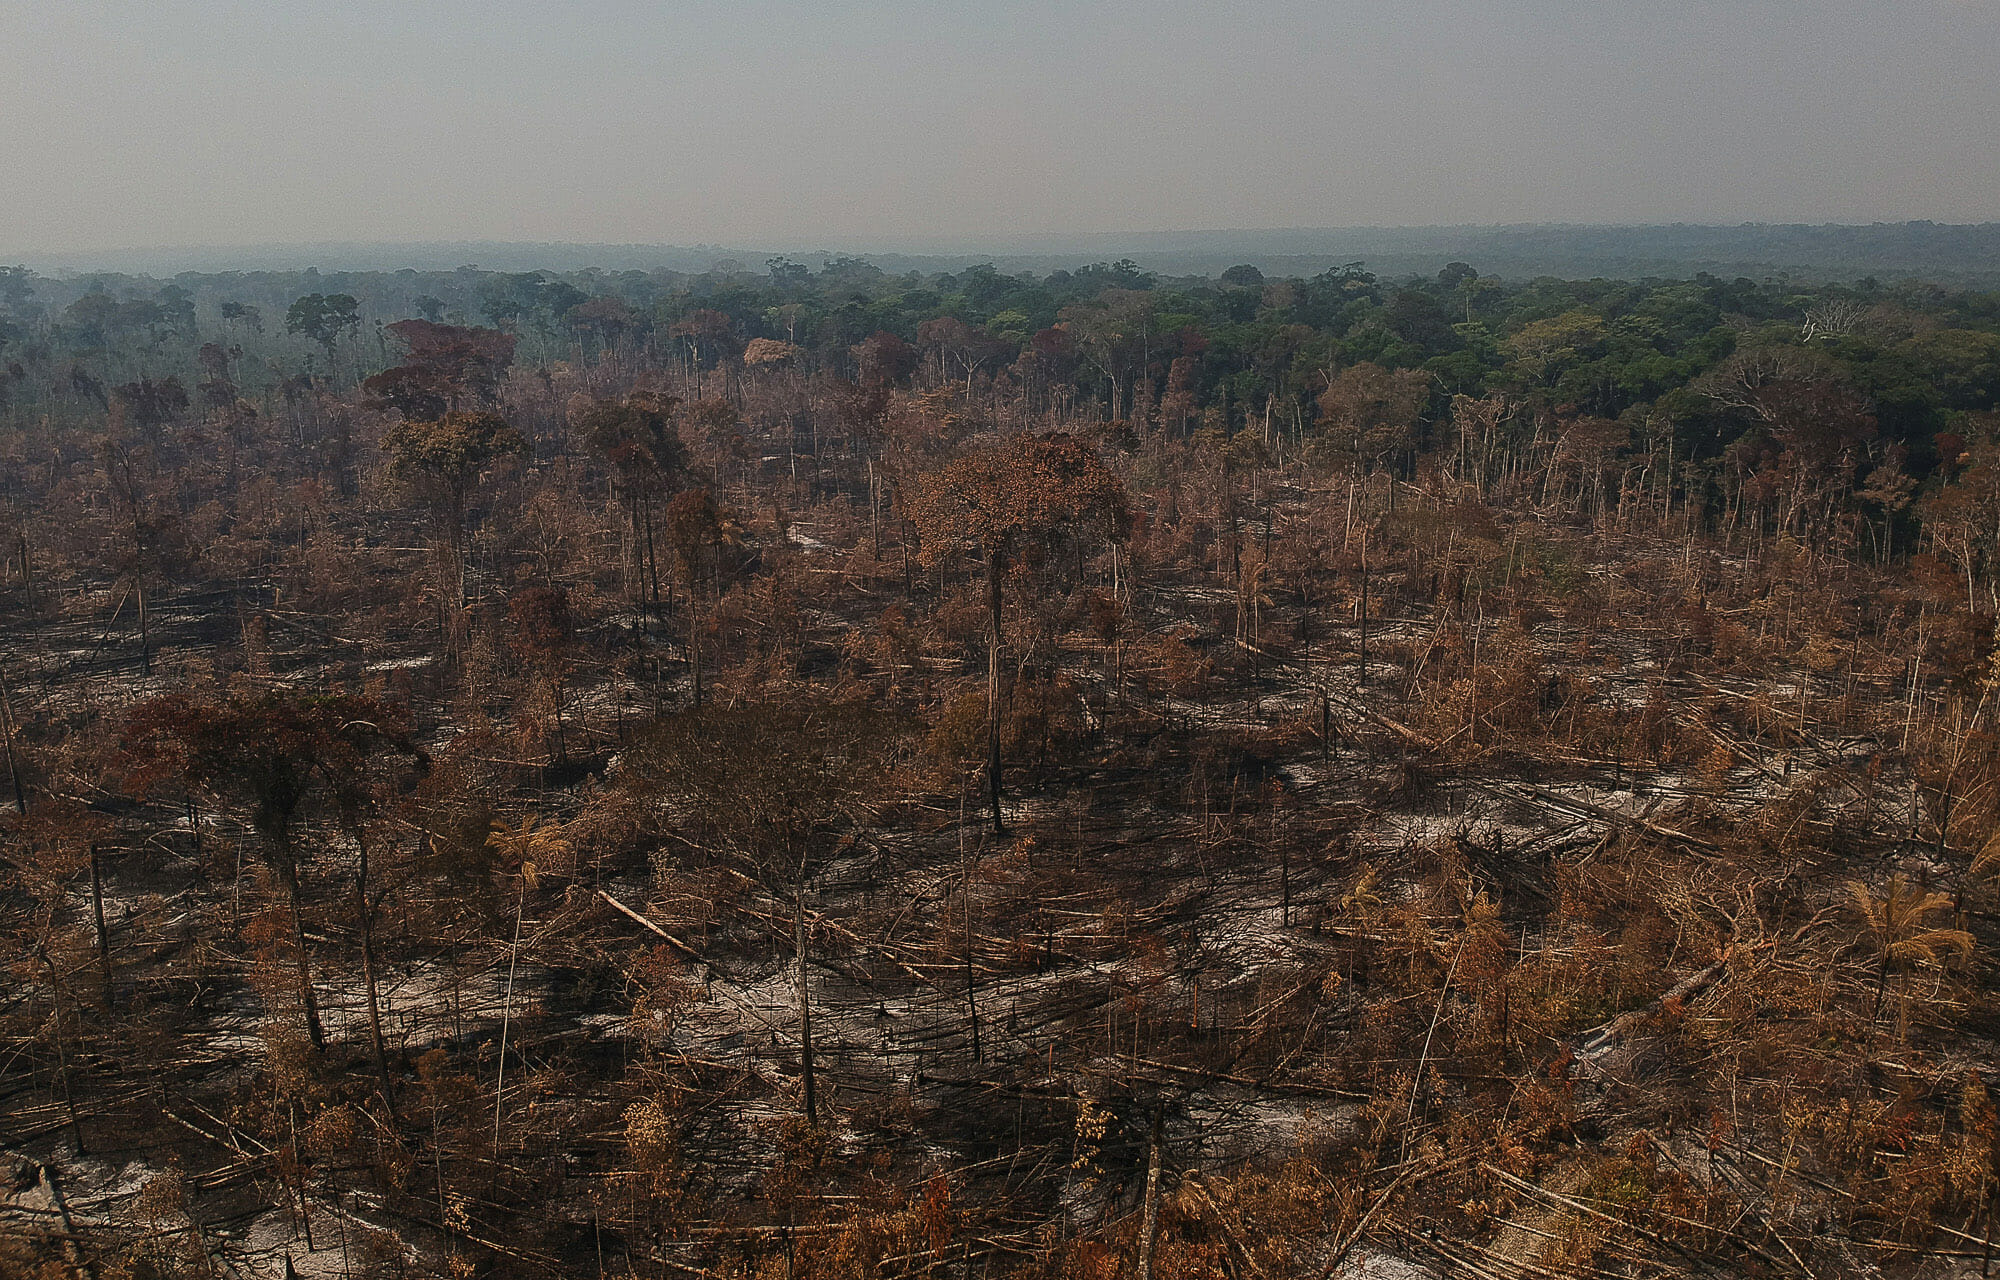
(859, 409)
(544, 627)
(997, 497)
(882, 359)
(441, 459)
(447, 367)
(1812, 428)
(699, 533)
(150, 406)
(638, 437)
(1962, 516)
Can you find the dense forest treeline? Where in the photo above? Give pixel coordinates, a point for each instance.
(822, 773)
(1686, 376)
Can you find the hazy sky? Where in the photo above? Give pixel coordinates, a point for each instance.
(791, 124)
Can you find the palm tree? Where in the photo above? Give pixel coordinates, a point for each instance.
(1900, 931)
(525, 846)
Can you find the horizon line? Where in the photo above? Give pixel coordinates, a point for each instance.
(919, 246)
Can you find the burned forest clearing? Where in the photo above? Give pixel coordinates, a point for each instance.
(628, 791)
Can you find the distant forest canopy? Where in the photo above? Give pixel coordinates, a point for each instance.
(1866, 411)
(1942, 253)
(1700, 372)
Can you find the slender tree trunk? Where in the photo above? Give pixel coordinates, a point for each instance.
(1363, 680)
(1235, 538)
(556, 693)
(1149, 1228)
(805, 1011)
(1325, 727)
(971, 966)
(993, 563)
(298, 1178)
(364, 911)
(103, 935)
(1285, 884)
(635, 550)
(288, 879)
(874, 511)
(145, 633)
(62, 1051)
(694, 650)
(652, 565)
(507, 1012)
(458, 541)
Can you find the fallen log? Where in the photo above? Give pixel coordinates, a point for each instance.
(676, 943)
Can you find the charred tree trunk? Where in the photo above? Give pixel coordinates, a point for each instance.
(809, 1081)
(652, 559)
(103, 935)
(694, 650)
(62, 1051)
(288, 879)
(365, 915)
(1363, 677)
(993, 568)
(507, 1010)
(145, 631)
(556, 696)
(971, 967)
(1149, 1228)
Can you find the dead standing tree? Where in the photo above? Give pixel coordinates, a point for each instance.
(270, 754)
(441, 460)
(638, 438)
(544, 635)
(772, 790)
(702, 536)
(144, 542)
(526, 846)
(999, 497)
(447, 367)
